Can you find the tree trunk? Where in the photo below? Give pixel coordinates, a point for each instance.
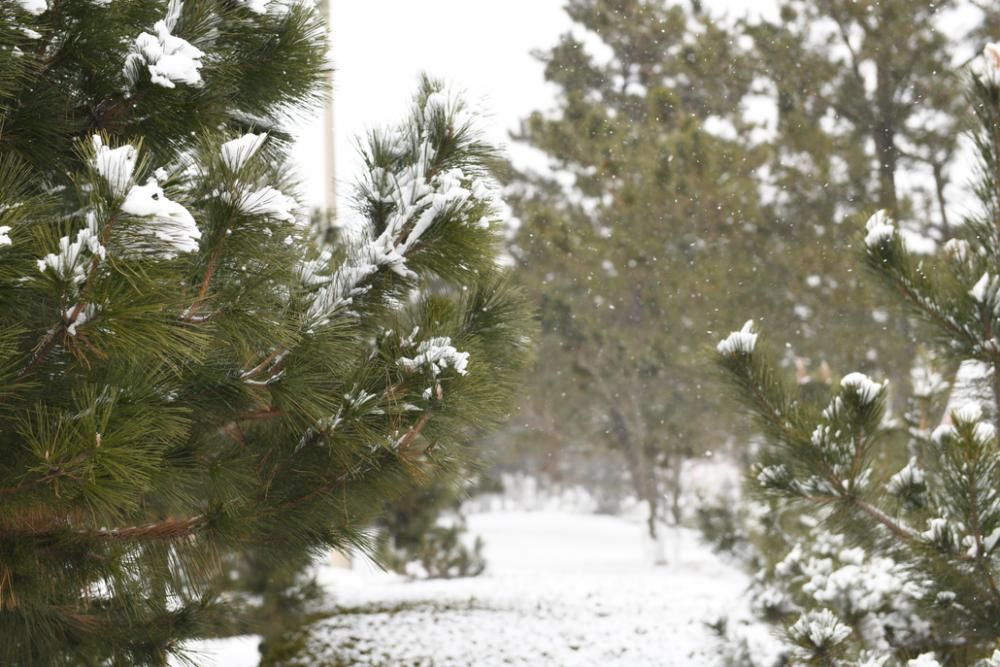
(675, 490)
(643, 482)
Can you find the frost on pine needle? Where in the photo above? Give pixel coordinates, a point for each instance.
(909, 478)
(739, 342)
(237, 152)
(818, 630)
(169, 221)
(115, 165)
(437, 354)
(268, 202)
(4, 238)
(70, 263)
(879, 228)
(168, 58)
(866, 389)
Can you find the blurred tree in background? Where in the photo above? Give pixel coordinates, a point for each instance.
(701, 165)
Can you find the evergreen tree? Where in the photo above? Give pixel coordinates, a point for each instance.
(187, 380)
(909, 574)
(873, 86)
(624, 263)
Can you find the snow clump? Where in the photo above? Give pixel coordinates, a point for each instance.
(438, 354)
(866, 388)
(238, 152)
(739, 342)
(115, 165)
(169, 59)
(879, 228)
(173, 223)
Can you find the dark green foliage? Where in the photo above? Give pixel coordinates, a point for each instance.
(177, 401)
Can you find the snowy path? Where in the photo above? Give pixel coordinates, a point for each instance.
(562, 589)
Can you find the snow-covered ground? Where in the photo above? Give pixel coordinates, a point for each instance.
(561, 589)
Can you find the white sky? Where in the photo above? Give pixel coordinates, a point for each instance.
(482, 47)
(379, 48)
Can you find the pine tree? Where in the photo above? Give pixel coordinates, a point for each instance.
(629, 256)
(908, 573)
(189, 380)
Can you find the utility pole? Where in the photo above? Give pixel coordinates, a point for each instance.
(329, 163)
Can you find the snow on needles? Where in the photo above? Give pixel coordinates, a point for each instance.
(4, 239)
(985, 290)
(169, 59)
(739, 342)
(115, 165)
(237, 152)
(172, 222)
(269, 202)
(71, 261)
(266, 201)
(820, 629)
(866, 388)
(437, 354)
(879, 228)
(419, 199)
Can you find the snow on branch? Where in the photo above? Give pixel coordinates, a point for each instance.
(237, 152)
(168, 58)
(416, 193)
(818, 632)
(910, 477)
(269, 202)
(266, 201)
(437, 354)
(986, 290)
(739, 342)
(866, 389)
(70, 262)
(879, 228)
(115, 165)
(4, 239)
(35, 7)
(169, 221)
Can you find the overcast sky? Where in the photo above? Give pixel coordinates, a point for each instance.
(480, 46)
(381, 46)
